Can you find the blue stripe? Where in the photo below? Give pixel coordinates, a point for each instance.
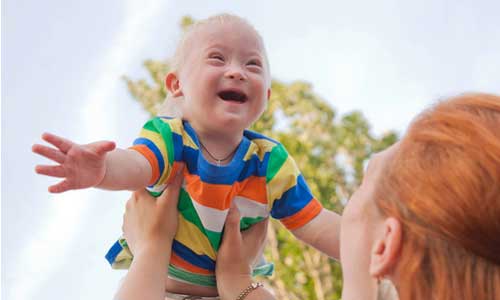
(113, 252)
(252, 135)
(151, 146)
(188, 255)
(190, 156)
(178, 145)
(293, 200)
(252, 167)
(190, 131)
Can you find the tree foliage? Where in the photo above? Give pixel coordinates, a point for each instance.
(331, 152)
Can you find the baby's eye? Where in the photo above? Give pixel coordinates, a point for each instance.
(216, 56)
(255, 62)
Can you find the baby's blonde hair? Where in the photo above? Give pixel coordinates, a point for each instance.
(180, 52)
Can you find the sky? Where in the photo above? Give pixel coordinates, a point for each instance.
(61, 69)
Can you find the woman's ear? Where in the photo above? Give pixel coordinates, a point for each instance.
(268, 93)
(386, 249)
(173, 84)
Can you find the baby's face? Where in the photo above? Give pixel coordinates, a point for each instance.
(224, 78)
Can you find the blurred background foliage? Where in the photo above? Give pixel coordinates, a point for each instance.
(331, 152)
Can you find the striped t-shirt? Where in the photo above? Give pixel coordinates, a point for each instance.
(261, 178)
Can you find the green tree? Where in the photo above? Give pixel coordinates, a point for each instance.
(331, 153)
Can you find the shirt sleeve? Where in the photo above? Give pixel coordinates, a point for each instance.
(157, 143)
(290, 199)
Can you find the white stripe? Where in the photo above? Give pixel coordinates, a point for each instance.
(250, 208)
(211, 218)
(214, 219)
(157, 188)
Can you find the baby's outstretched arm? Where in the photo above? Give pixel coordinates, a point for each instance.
(96, 164)
(322, 232)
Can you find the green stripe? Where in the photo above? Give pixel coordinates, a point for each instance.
(205, 280)
(189, 213)
(247, 222)
(214, 238)
(123, 243)
(263, 270)
(150, 125)
(155, 194)
(166, 133)
(209, 280)
(277, 158)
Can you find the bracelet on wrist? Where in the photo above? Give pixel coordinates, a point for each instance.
(252, 287)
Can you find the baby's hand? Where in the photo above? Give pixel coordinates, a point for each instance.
(81, 166)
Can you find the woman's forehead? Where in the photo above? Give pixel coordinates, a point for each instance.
(380, 159)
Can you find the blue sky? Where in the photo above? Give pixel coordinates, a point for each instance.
(61, 68)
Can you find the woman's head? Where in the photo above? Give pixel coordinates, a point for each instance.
(437, 197)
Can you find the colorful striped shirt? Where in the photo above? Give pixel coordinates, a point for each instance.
(261, 178)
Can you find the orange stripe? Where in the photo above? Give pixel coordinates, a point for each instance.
(219, 196)
(181, 263)
(175, 168)
(302, 217)
(253, 188)
(216, 196)
(151, 157)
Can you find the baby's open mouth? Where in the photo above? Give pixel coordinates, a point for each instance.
(231, 95)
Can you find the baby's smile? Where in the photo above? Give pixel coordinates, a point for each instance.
(233, 95)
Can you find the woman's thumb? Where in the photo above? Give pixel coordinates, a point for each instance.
(232, 226)
(170, 196)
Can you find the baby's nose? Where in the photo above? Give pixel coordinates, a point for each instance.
(235, 73)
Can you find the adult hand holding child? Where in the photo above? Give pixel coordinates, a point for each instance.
(149, 225)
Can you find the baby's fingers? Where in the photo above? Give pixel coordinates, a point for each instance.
(49, 153)
(61, 187)
(102, 147)
(54, 171)
(61, 143)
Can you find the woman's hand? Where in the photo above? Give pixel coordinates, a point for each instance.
(148, 220)
(237, 254)
(149, 226)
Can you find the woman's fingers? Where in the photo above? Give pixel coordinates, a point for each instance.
(254, 240)
(232, 234)
(170, 197)
(54, 171)
(256, 235)
(61, 143)
(49, 153)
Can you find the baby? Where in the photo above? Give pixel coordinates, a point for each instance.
(221, 74)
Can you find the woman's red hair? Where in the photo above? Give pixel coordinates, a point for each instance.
(443, 184)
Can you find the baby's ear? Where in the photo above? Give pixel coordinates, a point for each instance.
(268, 93)
(173, 84)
